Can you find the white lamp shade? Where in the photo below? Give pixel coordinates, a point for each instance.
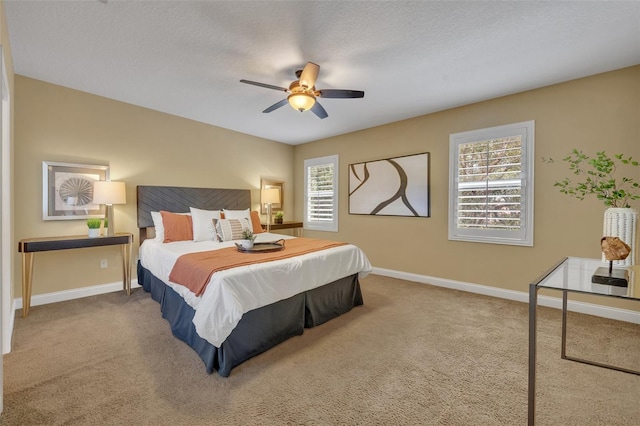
(301, 101)
(270, 196)
(107, 192)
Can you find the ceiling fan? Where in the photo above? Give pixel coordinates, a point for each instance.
(303, 92)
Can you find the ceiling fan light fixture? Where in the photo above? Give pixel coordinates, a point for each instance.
(303, 92)
(301, 101)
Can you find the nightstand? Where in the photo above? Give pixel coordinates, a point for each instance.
(297, 226)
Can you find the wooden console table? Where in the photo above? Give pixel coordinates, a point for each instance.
(29, 246)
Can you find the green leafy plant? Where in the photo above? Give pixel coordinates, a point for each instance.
(279, 214)
(597, 176)
(94, 223)
(247, 234)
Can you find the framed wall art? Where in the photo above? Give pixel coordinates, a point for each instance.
(391, 187)
(67, 190)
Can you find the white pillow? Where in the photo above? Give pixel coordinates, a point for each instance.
(158, 225)
(238, 214)
(202, 224)
(231, 229)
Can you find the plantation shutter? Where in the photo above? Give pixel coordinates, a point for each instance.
(321, 193)
(489, 184)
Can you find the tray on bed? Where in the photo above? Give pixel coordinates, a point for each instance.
(263, 247)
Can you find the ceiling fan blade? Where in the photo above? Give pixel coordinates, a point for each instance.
(309, 75)
(268, 86)
(319, 111)
(276, 105)
(337, 93)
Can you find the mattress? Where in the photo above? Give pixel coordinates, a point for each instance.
(232, 293)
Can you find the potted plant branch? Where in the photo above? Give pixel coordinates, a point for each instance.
(94, 227)
(247, 239)
(278, 217)
(597, 176)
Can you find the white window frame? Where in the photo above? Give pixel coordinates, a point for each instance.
(521, 237)
(316, 225)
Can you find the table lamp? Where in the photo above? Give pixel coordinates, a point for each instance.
(269, 196)
(109, 193)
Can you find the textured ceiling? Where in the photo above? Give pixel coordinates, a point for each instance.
(410, 57)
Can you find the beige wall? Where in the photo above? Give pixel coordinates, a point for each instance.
(147, 147)
(601, 112)
(142, 147)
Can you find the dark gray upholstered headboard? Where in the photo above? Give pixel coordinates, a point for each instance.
(179, 199)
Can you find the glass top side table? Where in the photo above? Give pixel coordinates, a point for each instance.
(573, 274)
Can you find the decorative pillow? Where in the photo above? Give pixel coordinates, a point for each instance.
(256, 223)
(157, 224)
(202, 224)
(230, 229)
(177, 227)
(237, 214)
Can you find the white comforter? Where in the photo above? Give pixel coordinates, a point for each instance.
(233, 292)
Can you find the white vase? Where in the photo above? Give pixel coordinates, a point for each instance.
(246, 244)
(94, 232)
(621, 222)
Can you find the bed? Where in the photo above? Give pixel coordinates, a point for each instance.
(246, 310)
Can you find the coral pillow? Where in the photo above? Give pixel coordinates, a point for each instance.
(177, 227)
(256, 223)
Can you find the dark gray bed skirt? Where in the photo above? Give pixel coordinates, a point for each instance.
(258, 330)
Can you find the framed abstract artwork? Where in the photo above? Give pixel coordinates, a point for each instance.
(391, 187)
(67, 190)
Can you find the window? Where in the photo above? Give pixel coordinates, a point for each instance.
(491, 185)
(321, 193)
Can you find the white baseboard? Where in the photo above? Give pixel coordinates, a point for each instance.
(76, 293)
(519, 296)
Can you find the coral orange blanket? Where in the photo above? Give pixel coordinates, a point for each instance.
(194, 270)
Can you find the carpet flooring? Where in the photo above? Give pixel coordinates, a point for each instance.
(414, 354)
